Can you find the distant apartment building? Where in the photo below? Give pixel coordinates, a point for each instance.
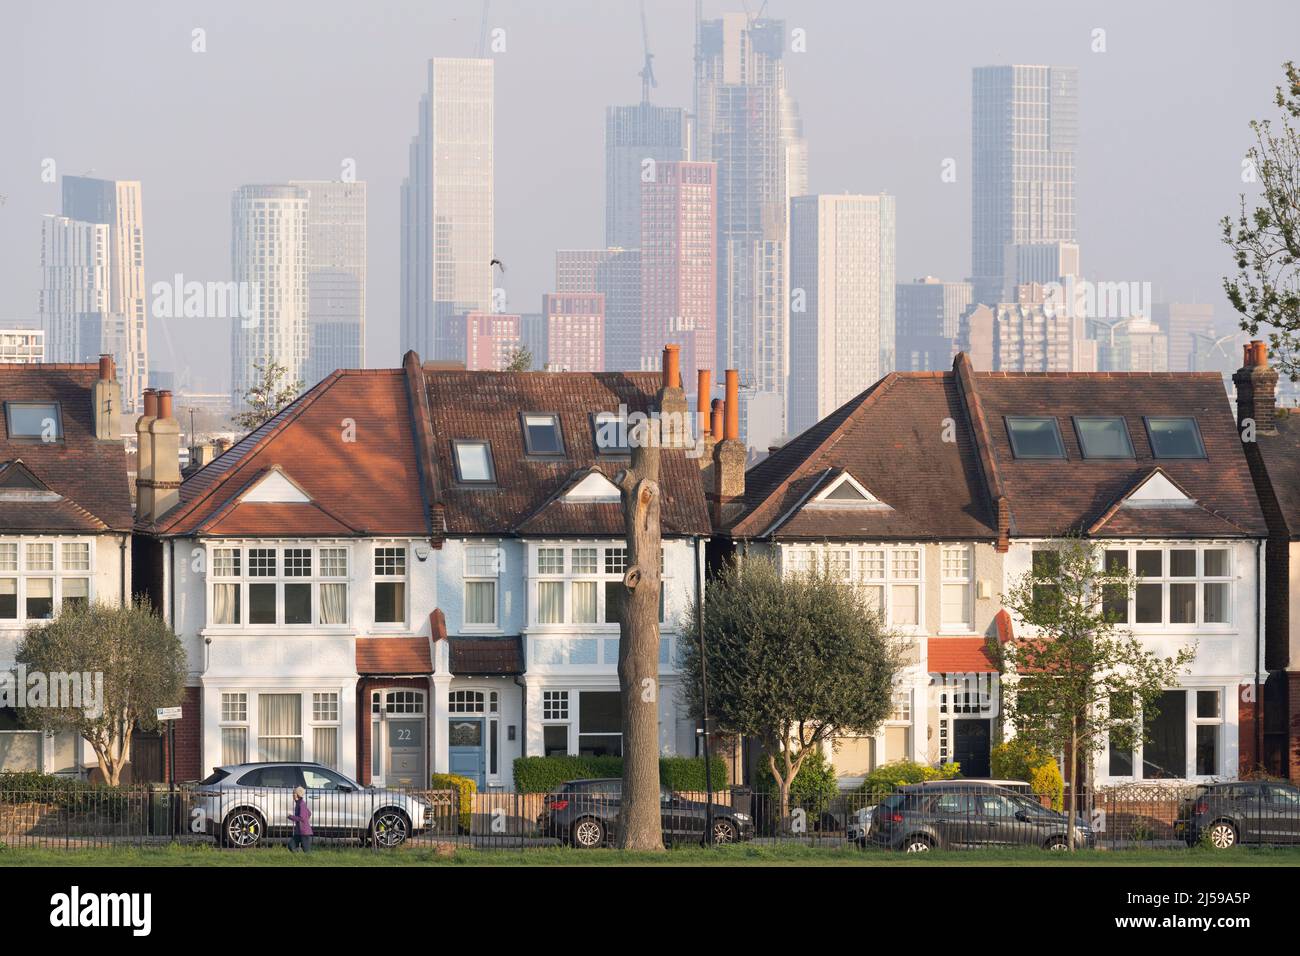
(74, 286)
(1025, 336)
(336, 277)
(21, 346)
(1191, 329)
(532, 336)
(447, 206)
(746, 122)
(842, 303)
(636, 139)
(1024, 132)
(491, 339)
(575, 331)
(269, 240)
(927, 321)
(1133, 345)
(615, 273)
(678, 278)
(1039, 262)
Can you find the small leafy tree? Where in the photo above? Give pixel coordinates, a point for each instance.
(270, 393)
(520, 359)
(793, 661)
(1265, 241)
(142, 664)
(1076, 681)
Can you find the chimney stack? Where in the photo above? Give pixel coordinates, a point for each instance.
(106, 401)
(727, 498)
(704, 384)
(1256, 385)
(674, 411)
(158, 474)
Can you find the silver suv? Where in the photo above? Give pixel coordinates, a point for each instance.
(244, 804)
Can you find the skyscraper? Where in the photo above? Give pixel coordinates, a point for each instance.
(269, 229)
(75, 286)
(447, 206)
(678, 279)
(1024, 132)
(336, 277)
(616, 274)
(842, 301)
(637, 137)
(575, 331)
(490, 340)
(1026, 335)
(1134, 344)
(1190, 328)
(122, 330)
(928, 318)
(746, 123)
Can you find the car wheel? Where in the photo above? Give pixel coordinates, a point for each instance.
(390, 828)
(1057, 843)
(243, 828)
(1223, 835)
(918, 844)
(724, 831)
(588, 833)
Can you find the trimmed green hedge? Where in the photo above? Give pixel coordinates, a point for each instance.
(544, 774)
(68, 793)
(465, 789)
(885, 778)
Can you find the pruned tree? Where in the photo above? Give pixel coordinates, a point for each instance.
(638, 646)
(794, 661)
(138, 661)
(1075, 680)
(1265, 241)
(519, 359)
(271, 391)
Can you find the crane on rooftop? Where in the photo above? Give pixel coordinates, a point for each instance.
(647, 73)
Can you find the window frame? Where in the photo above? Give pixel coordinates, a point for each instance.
(1166, 580)
(1083, 447)
(473, 574)
(608, 556)
(1196, 433)
(1056, 429)
(1192, 721)
(12, 404)
(528, 440)
(793, 562)
(457, 444)
(404, 579)
(58, 574)
(618, 451)
(243, 579)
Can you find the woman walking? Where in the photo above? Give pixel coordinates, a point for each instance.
(301, 818)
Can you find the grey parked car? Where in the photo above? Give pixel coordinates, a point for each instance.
(243, 804)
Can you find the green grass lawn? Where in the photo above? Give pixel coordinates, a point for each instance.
(789, 855)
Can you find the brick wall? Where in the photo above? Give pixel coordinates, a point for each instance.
(1248, 716)
(189, 739)
(1293, 725)
(364, 688)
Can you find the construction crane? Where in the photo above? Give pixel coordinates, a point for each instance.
(647, 73)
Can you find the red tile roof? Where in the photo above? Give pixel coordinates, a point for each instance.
(502, 656)
(369, 485)
(958, 655)
(88, 474)
(524, 499)
(394, 655)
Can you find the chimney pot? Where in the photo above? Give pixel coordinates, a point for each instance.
(164, 404)
(715, 419)
(150, 403)
(106, 370)
(672, 366)
(732, 424)
(703, 384)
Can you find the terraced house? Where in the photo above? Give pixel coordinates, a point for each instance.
(65, 528)
(932, 493)
(416, 570)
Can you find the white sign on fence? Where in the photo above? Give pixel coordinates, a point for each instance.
(168, 713)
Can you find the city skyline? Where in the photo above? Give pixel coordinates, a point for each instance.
(930, 219)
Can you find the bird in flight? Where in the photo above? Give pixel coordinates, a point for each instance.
(497, 262)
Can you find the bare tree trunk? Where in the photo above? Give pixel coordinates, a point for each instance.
(638, 649)
(1072, 809)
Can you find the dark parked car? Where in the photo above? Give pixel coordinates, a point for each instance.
(1226, 814)
(584, 813)
(957, 814)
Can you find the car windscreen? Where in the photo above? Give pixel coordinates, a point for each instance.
(216, 776)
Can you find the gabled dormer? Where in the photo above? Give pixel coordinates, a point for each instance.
(842, 490)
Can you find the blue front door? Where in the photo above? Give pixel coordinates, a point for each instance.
(465, 748)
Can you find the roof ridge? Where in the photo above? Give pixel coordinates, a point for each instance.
(964, 374)
(287, 415)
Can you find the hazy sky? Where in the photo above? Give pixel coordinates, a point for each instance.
(289, 90)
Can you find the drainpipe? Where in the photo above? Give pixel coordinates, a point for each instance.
(523, 716)
(171, 583)
(1260, 570)
(121, 587)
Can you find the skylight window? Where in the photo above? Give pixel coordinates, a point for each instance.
(1104, 437)
(610, 431)
(1033, 437)
(474, 461)
(1175, 438)
(40, 420)
(542, 434)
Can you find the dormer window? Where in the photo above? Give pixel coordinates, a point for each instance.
(542, 434)
(474, 462)
(1103, 437)
(38, 420)
(845, 491)
(1035, 437)
(1175, 438)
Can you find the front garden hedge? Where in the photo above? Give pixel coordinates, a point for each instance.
(544, 774)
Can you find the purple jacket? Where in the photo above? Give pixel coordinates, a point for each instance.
(301, 817)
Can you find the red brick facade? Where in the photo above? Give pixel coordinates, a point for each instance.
(364, 688)
(189, 739)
